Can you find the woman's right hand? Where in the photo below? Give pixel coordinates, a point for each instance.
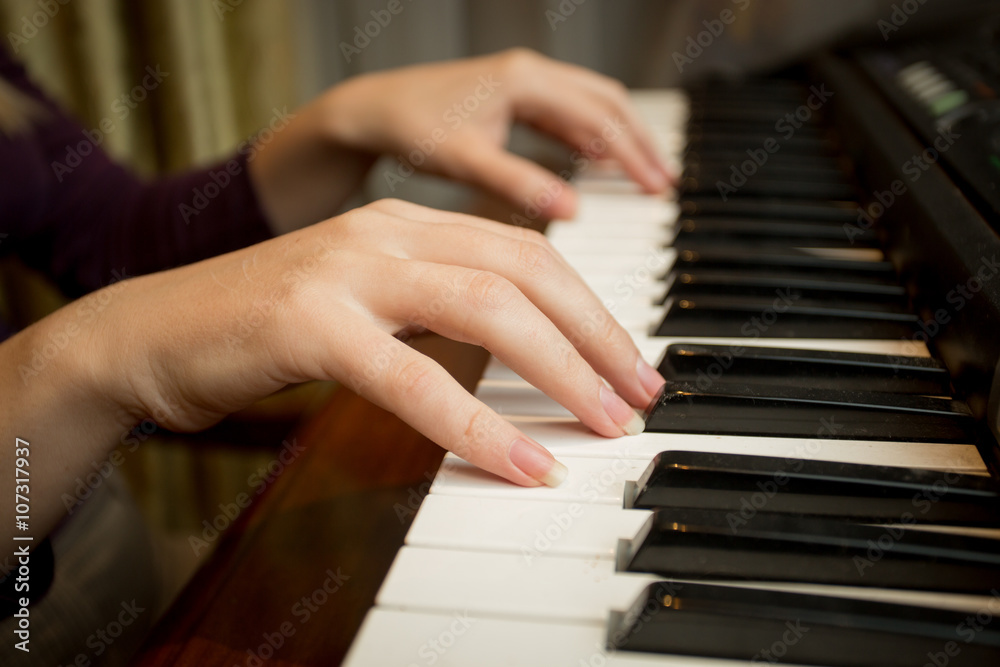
(191, 345)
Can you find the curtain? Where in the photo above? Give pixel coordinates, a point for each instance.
(223, 67)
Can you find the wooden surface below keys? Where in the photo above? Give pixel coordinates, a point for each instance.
(332, 521)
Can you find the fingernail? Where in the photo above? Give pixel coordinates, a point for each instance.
(621, 413)
(649, 377)
(537, 463)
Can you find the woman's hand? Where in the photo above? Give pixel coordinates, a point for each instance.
(453, 119)
(193, 344)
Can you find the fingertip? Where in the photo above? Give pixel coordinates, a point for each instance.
(537, 462)
(564, 205)
(656, 180)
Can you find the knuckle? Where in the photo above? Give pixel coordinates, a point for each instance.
(413, 380)
(481, 430)
(388, 205)
(519, 59)
(535, 260)
(600, 330)
(534, 236)
(489, 292)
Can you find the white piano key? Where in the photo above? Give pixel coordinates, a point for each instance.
(567, 588)
(652, 348)
(393, 638)
(508, 585)
(590, 480)
(519, 399)
(570, 439)
(519, 526)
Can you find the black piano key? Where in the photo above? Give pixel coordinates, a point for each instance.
(760, 115)
(780, 227)
(805, 285)
(842, 212)
(769, 187)
(809, 368)
(685, 543)
(741, 160)
(729, 408)
(709, 144)
(732, 257)
(771, 626)
(713, 171)
(745, 134)
(723, 230)
(744, 484)
(785, 316)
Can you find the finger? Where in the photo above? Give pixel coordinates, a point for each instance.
(613, 92)
(535, 190)
(521, 255)
(616, 94)
(530, 262)
(485, 309)
(595, 126)
(423, 394)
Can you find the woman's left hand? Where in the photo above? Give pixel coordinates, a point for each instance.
(454, 119)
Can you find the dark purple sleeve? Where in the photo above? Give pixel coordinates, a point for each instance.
(72, 213)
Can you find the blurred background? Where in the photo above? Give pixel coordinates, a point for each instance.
(229, 66)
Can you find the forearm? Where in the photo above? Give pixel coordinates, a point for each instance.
(48, 399)
(301, 175)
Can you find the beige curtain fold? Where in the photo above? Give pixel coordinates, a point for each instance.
(226, 66)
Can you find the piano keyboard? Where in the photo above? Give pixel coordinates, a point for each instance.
(493, 575)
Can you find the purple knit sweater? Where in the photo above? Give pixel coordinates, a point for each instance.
(67, 210)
